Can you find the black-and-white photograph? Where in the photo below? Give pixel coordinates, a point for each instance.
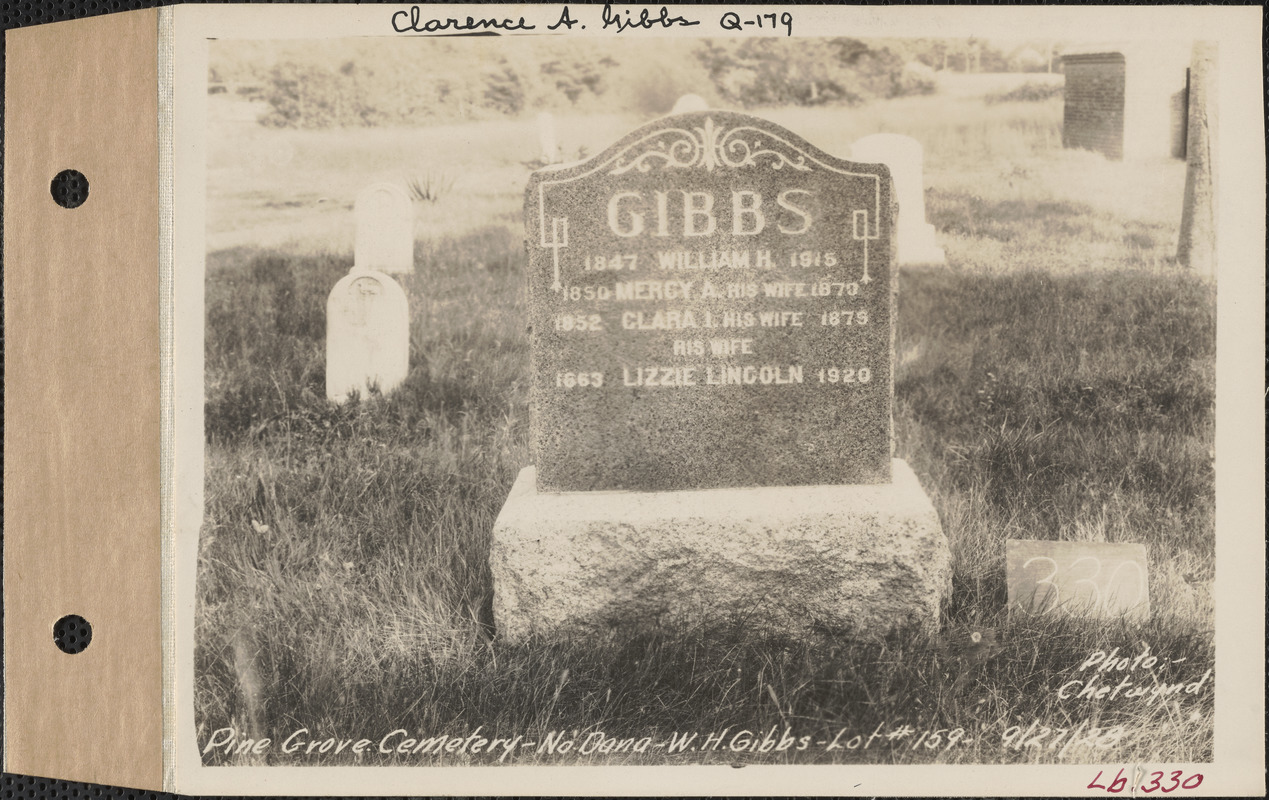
(709, 400)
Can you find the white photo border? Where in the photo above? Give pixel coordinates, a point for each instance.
(1239, 589)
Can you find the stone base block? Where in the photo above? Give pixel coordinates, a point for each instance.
(863, 559)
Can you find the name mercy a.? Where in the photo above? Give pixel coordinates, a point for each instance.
(712, 375)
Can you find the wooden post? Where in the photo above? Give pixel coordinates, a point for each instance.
(1196, 245)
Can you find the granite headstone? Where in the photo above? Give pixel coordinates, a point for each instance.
(711, 305)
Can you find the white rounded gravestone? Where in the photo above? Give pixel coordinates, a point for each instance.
(689, 102)
(546, 138)
(385, 230)
(903, 155)
(367, 335)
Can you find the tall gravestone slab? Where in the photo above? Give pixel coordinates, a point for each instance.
(711, 312)
(547, 142)
(367, 335)
(710, 303)
(385, 230)
(906, 160)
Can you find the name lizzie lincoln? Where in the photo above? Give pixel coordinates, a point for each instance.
(710, 303)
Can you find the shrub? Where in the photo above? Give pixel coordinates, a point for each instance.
(653, 88)
(403, 83)
(1030, 92)
(303, 96)
(430, 186)
(915, 79)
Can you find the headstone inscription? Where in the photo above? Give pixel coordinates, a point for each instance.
(710, 302)
(385, 230)
(906, 160)
(367, 335)
(711, 305)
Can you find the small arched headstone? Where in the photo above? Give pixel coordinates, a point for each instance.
(385, 230)
(367, 335)
(689, 102)
(903, 155)
(546, 138)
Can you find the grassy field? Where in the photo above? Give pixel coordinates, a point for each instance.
(1054, 381)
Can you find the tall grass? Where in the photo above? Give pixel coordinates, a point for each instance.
(344, 555)
(1055, 381)
(1063, 407)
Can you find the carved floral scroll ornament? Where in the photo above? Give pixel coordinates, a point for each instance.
(709, 147)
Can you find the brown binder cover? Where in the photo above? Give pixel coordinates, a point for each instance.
(81, 439)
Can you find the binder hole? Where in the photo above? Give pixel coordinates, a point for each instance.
(72, 633)
(69, 188)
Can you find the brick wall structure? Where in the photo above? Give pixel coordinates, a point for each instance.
(1093, 115)
(1126, 100)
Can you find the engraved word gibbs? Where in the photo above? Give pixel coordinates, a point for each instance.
(711, 305)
